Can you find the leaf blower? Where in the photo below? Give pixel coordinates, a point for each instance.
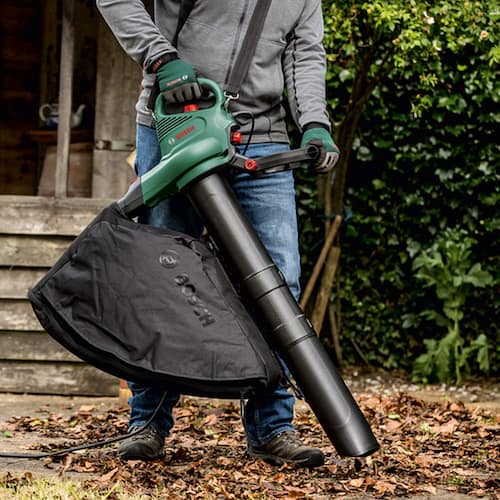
(143, 318)
(195, 144)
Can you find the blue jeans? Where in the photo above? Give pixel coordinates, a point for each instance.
(269, 202)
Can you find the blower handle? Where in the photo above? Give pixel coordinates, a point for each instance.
(205, 83)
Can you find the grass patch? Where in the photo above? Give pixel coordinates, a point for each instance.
(28, 488)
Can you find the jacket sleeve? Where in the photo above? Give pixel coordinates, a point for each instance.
(304, 67)
(134, 29)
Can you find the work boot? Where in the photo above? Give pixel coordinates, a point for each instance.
(147, 445)
(288, 448)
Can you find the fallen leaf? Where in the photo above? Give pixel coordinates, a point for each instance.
(463, 472)
(134, 463)
(392, 425)
(68, 460)
(457, 406)
(424, 460)
(211, 419)
(238, 476)
(293, 492)
(109, 476)
(182, 412)
(428, 488)
(448, 428)
(383, 487)
(356, 483)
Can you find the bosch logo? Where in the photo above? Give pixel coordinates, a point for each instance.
(188, 290)
(169, 259)
(185, 132)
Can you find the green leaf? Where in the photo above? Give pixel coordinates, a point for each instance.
(345, 75)
(477, 277)
(378, 184)
(482, 345)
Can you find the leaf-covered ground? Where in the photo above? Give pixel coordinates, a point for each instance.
(427, 448)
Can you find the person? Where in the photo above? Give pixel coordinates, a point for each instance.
(289, 60)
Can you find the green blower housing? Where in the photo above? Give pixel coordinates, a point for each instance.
(193, 142)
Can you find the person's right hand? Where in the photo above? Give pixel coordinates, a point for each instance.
(178, 82)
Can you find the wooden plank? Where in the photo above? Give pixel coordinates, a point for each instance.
(15, 283)
(31, 251)
(56, 378)
(79, 174)
(65, 96)
(115, 119)
(32, 346)
(47, 216)
(18, 315)
(111, 173)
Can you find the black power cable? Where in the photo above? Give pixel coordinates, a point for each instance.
(30, 456)
(240, 119)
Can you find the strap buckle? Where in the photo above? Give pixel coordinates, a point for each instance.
(230, 97)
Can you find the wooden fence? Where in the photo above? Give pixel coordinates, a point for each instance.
(34, 232)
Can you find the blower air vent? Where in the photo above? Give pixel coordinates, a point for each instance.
(165, 126)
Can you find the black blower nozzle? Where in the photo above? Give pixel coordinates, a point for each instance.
(286, 326)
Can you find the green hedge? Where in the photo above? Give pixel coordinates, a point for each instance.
(424, 169)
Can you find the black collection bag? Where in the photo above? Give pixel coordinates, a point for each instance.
(156, 307)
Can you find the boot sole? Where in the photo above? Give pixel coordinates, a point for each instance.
(137, 456)
(314, 461)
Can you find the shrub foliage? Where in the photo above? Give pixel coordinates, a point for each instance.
(413, 89)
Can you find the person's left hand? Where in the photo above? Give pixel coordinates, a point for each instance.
(319, 136)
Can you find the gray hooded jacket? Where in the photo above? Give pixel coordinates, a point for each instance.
(289, 57)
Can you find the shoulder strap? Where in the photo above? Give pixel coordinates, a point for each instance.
(184, 11)
(247, 49)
